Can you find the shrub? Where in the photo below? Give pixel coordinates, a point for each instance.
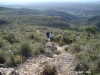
(57, 38)
(75, 48)
(10, 38)
(2, 57)
(93, 57)
(93, 68)
(18, 59)
(81, 67)
(39, 38)
(98, 67)
(36, 52)
(49, 70)
(25, 49)
(40, 47)
(67, 40)
(90, 30)
(1, 43)
(61, 42)
(14, 60)
(31, 36)
(66, 49)
(83, 57)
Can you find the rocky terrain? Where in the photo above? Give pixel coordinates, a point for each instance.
(64, 63)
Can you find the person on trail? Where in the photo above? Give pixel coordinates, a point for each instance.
(51, 35)
(47, 35)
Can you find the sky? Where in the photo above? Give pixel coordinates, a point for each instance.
(34, 1)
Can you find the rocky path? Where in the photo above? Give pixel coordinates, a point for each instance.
(64, 62)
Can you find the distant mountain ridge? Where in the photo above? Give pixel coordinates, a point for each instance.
(22, 11)
(11, 16)
(64, 15)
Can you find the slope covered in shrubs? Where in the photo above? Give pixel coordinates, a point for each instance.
(17, 43)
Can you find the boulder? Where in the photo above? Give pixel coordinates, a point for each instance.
(8, 71)
(2, 66)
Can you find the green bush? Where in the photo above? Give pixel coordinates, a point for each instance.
(66, 49)
(36, 52)
(14, 60)
(31, 36)
(93, 57)
(90, 30)
(18, 59)
(49, 70)
(40, 38)
(61, 42)
(65, 40)
(82, 67)
(75, 48)
(97, 70)
(1, 43)
(39, 46)
(10, 38)
(2, 57)
(25, 49)
(57, 38)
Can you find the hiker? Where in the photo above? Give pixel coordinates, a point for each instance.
(47, 35)
(51, 35)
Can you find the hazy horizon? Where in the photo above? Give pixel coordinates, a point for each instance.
(42, 1)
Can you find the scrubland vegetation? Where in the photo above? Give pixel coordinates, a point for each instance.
(23, 36)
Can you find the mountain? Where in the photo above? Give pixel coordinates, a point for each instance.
(62, 14)
(11, 16)
(24, 11)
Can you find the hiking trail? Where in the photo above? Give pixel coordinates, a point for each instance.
(64, 62)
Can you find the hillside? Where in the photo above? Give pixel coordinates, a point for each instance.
(94, 18)
(23, 11)
(74, 50)
(16, 40)
(37, 63)
(65, 15)
(36, 17)
(50, 21)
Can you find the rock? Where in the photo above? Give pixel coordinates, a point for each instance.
(49, 54)
(53, 48)
(1, 73)
(7, 71)
(15, 72)
(2, 66)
